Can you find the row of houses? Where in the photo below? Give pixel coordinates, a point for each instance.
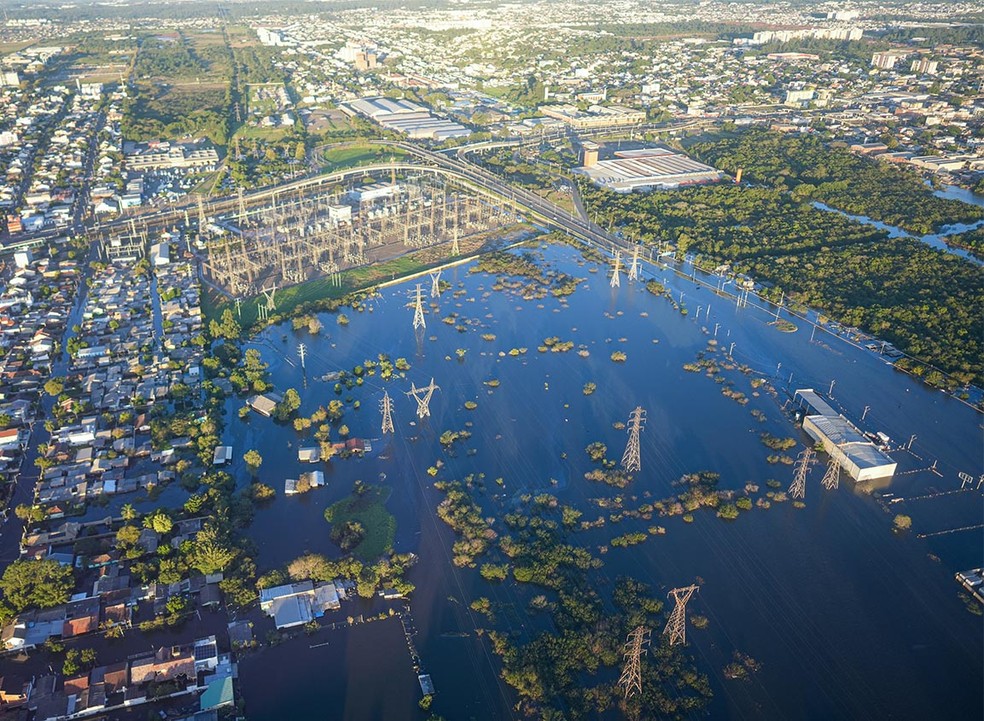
(34, 310)
(192, 667)
(121, 359)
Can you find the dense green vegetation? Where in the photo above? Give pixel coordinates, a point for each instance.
(37, 584)
(923, 300)
(805, 165)
(361, 524)
(569, 671)
(182, 89)
(971, 241)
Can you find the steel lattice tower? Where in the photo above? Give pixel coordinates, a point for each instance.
(831, 478)
(618, 264)
(632, 458)
(635, 645)
(676, 627)
(804, 462)
(418, 312)
(634, 268)
(435, 284)
(423, 401)
(386, 408)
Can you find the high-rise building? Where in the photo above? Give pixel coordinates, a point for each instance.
(925, 66)
(886, 60)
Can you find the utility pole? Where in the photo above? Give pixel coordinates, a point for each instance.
(830, 393)
(435, 284)
(418, 313)
(386, 407)
(635, 645)
(423, 397)
(866, 409)
(618, 265)
(634, 268)
(632, 458)
(911, 439)
(302, 352)
(239, 307)
(965, 478)
(831, 479)
(804, 462)
(676, 627)
(731, 350)
(716, 326)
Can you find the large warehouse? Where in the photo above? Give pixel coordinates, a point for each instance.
(861, 458)
(414, 121)
(647, 169)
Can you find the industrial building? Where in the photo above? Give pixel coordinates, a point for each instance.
(645, 169)
(414, 121)
(596, 116)
(862, 459)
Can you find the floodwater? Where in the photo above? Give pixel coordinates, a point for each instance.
(848, 619)
(933, 240)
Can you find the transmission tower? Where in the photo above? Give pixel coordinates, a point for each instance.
(418, 312)
(302, 352)
(201, 213)
(435, 284)
(632, 458)
(242, 207)
(676, 627)
(634, 268)
(831, 479)
(804, 461)
(455, 248)
(618, 265)
(635, 645)
(423, 397)
(386, 407)
(270, 296)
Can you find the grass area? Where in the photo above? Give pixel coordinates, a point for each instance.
(356, 154)
(369, 509)
(319, 289)
(15, 46)
(268, 134)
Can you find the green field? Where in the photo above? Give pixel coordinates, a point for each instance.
(319, 289)
(354, 155)
(369, 509)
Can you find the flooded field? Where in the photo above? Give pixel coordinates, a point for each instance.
(847, 618)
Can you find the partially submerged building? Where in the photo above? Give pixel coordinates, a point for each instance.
(298, 603)
(861, 458)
